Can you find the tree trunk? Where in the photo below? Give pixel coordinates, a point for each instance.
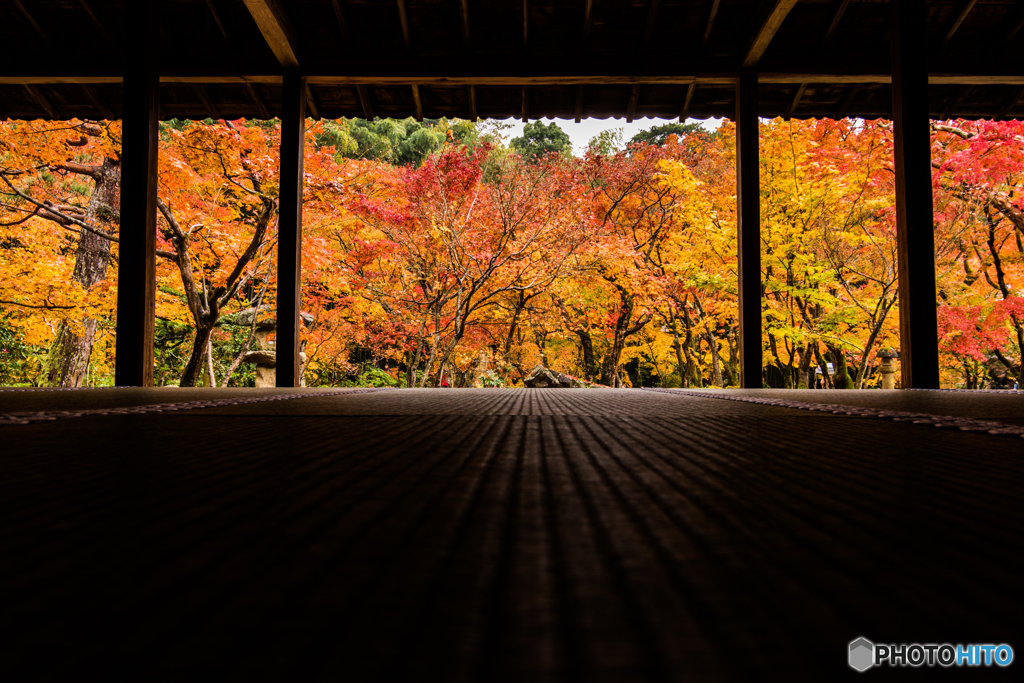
(197, 359)
(68, 359)
(589, 365)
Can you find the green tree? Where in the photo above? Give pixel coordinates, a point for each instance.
(658, 135)
(606, 142)
(539, 140)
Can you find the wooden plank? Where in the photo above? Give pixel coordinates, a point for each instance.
(97, 101)
(204, 97)
(795, 102)
(289, 245)
(364, 102)
(578, 112)
(634, 95)
(417, 104)
(711, 23)
(767, 30)
(840, 11)
(684, 113)
(473, 116)
(919, 359)
(37, 95)
(964, 11)
(403, 19)
(277, 30)
(136, 263)
(748, 217)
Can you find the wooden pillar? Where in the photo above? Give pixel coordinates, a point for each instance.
(748, 229)
(289, 245)
(919, 345)
(136, 262)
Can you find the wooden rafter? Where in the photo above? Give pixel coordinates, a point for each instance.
(526, 104)
(684, 113)
(795, 102)
(100, 28)
(652, 12)
(97, 101)
(403, 19)
(840, 11)
(766, 31)
(955, 101)
(964, 11)
(588, 21)
(258, 101)
(277, 30)
(848, 97)
(364, 102)
(216, 19)
(311, 105)
(711, 23)
(634, 95)
(417, 103)
(1015, 27)
(1010, 104)
(342, 19)
(40, 99)
(473, 116)
(204, 97)
(464, 14)
(578, 115)
(35, 24)
(526, 24)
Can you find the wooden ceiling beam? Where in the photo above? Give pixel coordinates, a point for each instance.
(40, 99)
(1015, 27)
(343, 26)
(403, 19)
(364, 101)
(216, 19)
(526, 23)
(711, 23)
(795, 102)
(588, 21)
(258, 101)
(417, 103)
(578, 113)
(526, 104)
(684, 113)
(780, 9)
(100, 28)
(97, 101)
(964, 11)
(634, 96)
(35, 24)
(840, 11)
(277, 30)
(204, 97)
(473, 116)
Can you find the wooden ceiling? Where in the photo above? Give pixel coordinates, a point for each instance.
(511, 58)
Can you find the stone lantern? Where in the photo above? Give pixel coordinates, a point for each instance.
(265, 332)
(887, 367)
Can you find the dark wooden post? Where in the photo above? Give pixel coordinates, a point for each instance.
(136, 263)
(289, 244)
(748, 231)
(915, 244)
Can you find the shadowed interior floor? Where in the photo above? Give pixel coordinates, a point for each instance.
(601, 535)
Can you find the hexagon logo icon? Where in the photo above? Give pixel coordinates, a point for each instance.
(862, 654)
